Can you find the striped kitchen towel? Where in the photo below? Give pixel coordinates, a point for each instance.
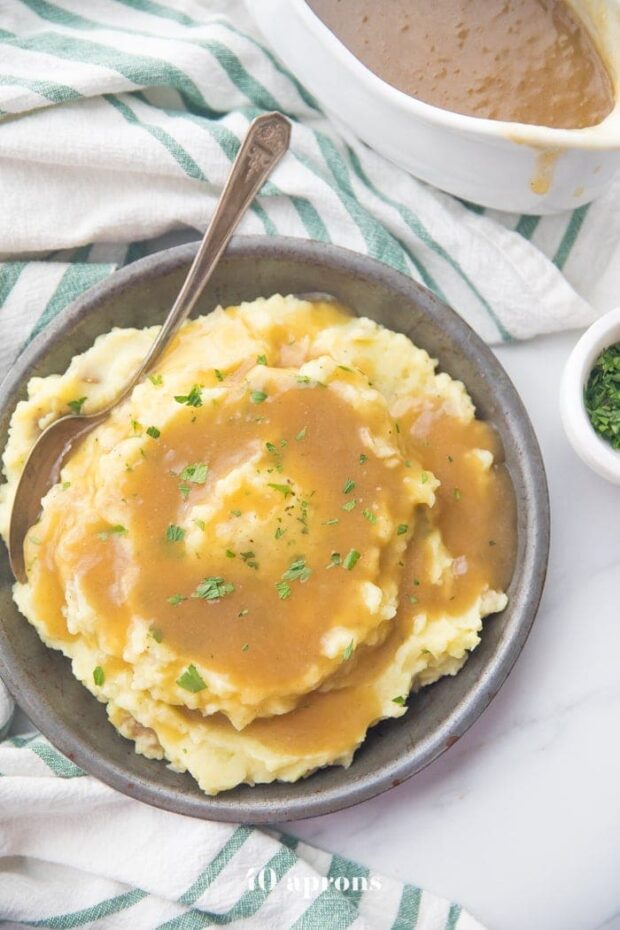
(75, 853)
(118, 122)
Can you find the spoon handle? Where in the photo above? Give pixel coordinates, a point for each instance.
(266, 141)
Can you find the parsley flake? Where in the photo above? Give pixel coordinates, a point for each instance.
(76, 405)
(213, 588)
(157, 380)
(363, 458)
(400, 700)
(117, 530)
(196, 473)
(193, 399)
(457, 494)
(348, 652)
(370, 516)
(348, 486)
(349, 505)
(283, 589)
(297, 571)
(176, 599)
(301, 434)
(282, 488)
(175, 533)
(191, 680)
(261, 359)
(351, 559)
(218, 374)
(332, 522)
(98, 676)
(257, 397)
(153, 432)
(402, 529)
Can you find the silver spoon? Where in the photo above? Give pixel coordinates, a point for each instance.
(266, 142)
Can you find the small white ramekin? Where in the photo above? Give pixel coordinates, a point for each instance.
(589, 446)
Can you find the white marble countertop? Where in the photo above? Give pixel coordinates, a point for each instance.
(520, 820)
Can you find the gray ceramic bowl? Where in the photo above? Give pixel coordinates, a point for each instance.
(140, 295)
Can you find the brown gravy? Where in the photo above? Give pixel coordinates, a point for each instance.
(252, 634)
(525, 61)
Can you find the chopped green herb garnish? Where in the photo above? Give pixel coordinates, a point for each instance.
(245, 647)
(402, 529)
(423, 477)
(416, 581)
(363, 458)
(193, 399)
(345, 368)
(348, 486)
(261, 359)
(136, 427)
(230, 554)
(413, 599)
(184, 488)
(116, 530)
(176, 599)
(283, 443)
(602, 395)
(157, 380)
(249, 559)
(301, 434)
(297, 571)
(450, 459)
(200, 524)
(213, 588)
(257, 397)
(492, 542)
(282, 488)
(156, 633)
(397, 425)
(98, 676)
(349, 505)
(457, 494)
(66, 485)
(153, 432)
(370, 516)
(218, 374)
(351, 559)
(191, 680)
(331, 522)
(400, 700)
(334, 560)
(235, 513)
(175, 533)
(303, 379)
(76, 405)
(279, 533)
(348, 652)
(196, 473)
(243, 613)
(283, 589)
(271, 448)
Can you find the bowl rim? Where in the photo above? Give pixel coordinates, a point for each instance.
(603, 136)
(311, 802)
(589, 446)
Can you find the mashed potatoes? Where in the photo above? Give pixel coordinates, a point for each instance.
(288, 527)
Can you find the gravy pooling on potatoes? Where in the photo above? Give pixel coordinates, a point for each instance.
(525, 61)
(275, 434)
